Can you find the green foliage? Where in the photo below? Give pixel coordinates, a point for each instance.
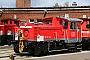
(0, 6)
(66, 4)
(56, 5)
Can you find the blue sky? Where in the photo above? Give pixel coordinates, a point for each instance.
(44, 3)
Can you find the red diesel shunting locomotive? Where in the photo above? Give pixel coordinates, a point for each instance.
(8, 29)
(53, 34)
(85, 33)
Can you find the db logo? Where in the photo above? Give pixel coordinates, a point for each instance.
(72, 34)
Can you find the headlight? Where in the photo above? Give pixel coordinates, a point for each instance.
(8, 32)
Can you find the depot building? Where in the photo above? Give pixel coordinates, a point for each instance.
(23, 11)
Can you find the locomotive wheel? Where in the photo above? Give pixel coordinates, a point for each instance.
(35, 51)
(85, 44)
(89, 45)
(2, 39)
(16, 48)
(31, 50)
(1, 42)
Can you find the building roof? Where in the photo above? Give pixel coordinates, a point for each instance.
(48, 8)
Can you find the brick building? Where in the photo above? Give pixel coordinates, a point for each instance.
(23, 3)
(38, 13)
(25, 12)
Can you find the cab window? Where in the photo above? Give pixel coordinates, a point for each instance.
(64, 23)
(72, 25)
(88, 24)
(48, 21)
(39, 20)
(31, 20)
(10, 21)
(5, 22)
(16, 22)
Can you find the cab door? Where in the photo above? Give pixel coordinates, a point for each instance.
(72, 32)
(79, 28)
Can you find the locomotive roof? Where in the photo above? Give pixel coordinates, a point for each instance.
(74, 19)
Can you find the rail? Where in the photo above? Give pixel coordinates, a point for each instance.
(11, 57)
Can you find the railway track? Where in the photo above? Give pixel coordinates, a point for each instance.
(5, 51)
(8, 50)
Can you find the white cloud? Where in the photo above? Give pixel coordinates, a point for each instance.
(41, 0)
(84, 3)
(50, 1)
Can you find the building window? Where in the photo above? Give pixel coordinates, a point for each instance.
(31, 20)
(84, 16)
(39, 20)
(66, 15)
(61, 16)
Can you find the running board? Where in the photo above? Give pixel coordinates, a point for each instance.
(58, 50)
(79, 45)
(79, 48)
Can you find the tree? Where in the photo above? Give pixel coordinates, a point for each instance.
(56, 5)
(66, 4)
(60, 6)
(0, 6)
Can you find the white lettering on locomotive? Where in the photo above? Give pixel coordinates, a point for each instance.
(47, 36)
(25, 26)
(72, 34)
(1, 25)
(85, 31)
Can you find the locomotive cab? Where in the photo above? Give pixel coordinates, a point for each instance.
(71, 28)
(74, 30)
